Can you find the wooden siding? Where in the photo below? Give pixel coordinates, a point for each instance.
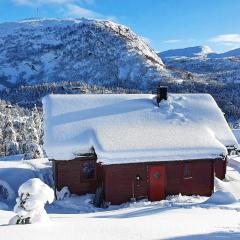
(121, 184)
(220, 168)
(120, 179)
(69, 173)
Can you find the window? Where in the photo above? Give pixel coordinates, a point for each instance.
(88, 171)
(157, 175)
(187, 170)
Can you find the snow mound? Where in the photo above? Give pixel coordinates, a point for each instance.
(35, 187)
(29, 208)
(63, 193)
(232, 187)
(6, 192)
(221, 198)
(15, 173)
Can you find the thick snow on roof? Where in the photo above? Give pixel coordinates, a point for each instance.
(131, 128)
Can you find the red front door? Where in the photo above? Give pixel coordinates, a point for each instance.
(157, 180)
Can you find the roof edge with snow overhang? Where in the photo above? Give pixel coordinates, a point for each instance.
(124, 128)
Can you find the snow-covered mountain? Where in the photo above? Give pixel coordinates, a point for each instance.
(205, 64)
(198, 51)
(91, 51)
(233, 53)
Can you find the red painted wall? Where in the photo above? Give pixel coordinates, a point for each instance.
(120, 181)
(69, 173)
(220, 168)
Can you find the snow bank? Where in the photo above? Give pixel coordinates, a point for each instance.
(130, 127)
(15, 173)
(18, 157)
(232, 187)
(236, 133)
(63, 193)
(221, 198)
(29, 208)
(3, 206)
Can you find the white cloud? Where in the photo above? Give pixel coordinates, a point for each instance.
(69, 8)
(77, 11)
(172, 41)
(41, 2)
(226, 39)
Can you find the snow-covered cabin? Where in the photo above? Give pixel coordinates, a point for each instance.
(133, 148)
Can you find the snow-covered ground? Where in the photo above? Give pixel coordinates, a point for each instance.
(178, 217)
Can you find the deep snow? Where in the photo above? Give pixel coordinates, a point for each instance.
(178, 218)
(236, 133)
(125, 128)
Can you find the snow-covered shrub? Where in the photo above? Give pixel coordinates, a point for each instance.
(32, 196)
(63, 193)
(33, 151)
(6, 191)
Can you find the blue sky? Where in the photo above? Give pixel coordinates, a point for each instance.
(165, 24)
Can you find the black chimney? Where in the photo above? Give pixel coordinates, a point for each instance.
(161, 94)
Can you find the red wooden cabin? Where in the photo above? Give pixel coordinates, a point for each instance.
(134, 148)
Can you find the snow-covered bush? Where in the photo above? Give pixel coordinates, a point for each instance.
(32, 196)
(6, 191)
(63, 193)
(9, 137)
(33, 151)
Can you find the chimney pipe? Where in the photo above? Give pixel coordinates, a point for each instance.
(161, 94)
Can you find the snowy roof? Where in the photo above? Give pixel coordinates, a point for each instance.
(124, 128)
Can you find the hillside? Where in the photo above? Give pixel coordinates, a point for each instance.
(205, 64)
(43, 56)
(91, 51)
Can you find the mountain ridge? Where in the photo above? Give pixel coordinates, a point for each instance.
(91, 51)
(198, 51)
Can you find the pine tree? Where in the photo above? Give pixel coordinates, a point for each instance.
(32, 149)
(9, 136)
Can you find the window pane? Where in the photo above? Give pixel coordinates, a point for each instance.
(88, 170)
(187, 170)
